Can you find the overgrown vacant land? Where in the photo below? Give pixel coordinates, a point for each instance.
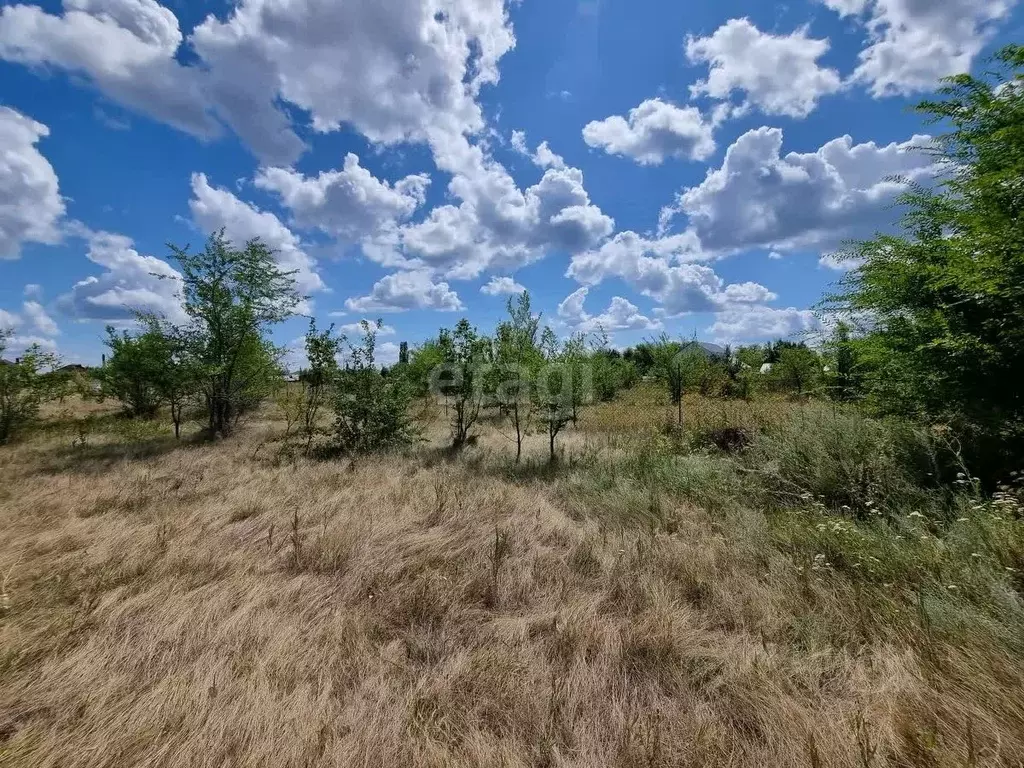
(648, 601)
(576, 560)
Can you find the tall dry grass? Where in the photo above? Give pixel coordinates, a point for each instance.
(233, 605)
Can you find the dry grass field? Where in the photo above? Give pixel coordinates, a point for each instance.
(639, 604)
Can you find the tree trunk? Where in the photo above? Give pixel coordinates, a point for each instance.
(519, 435)
(221, 417)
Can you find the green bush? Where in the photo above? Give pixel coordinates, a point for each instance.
(133, 373)
(846, 460)
(946, 294)
(371, 410)
(24, 386)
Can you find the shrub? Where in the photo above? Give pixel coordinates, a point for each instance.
(610, 373)
(371, 410)
(798, 370)
(559, 391)
(302, 404)
(133, 371)
(845, 459)
(24, 386)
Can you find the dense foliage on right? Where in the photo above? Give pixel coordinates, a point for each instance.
(942, 303)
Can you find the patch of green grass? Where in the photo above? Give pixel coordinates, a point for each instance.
(847, 461)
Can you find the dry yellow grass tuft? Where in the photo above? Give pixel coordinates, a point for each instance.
(213, 605)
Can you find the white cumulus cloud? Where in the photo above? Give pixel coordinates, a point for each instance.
(350, 203)
(502, 286)
(913, 43)
(761, 198)
(39, 319)
(759, 323)
(497, 226)
(543, 157)
(396, 70)
(356, 329)
(8, 320)
(130, 282)
(621, 315)
(658, 269)
(403, 291)
(126, 48)
(214, 208)
(654, 131)
(33, 326)
(776, 74)
(30, 203)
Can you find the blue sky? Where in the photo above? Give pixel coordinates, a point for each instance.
(639, 165)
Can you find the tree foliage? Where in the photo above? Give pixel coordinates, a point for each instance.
(747, 372)
(843, 379)
(944, 300)
(25, 384)
(148, 370)
(668, 367)
(798, 370)
(232, 297)
(556, 389)
(132, 373)
(518, 360)
(320, 377)
(371, 410)
(461, 379)
(610, 372)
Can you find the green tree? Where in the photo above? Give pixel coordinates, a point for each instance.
(554, 389)
(462, 378)
(610, 372)
(177, 380)
(577, 364)
(748, 370)
(150, 369)
(24, 387)
(133, 371)
(642, 358)
(232, 297)
(371, 410)
(319, 378)
(945, 298)
(703, 372)
(423, 362)
(843, 376)
(685, 367)
(798, 370)
(518, 359)
(773, 351)
(670, 368)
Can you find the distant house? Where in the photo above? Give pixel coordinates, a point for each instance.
(704, 348)
(75, 368)
(766, 368)
(4, 361)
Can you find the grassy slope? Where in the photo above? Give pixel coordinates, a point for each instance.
(214, 605)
